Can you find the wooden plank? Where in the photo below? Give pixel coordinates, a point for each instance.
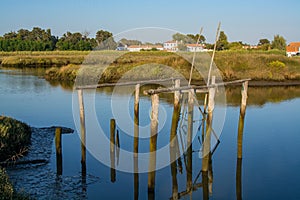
(200, 88)
(136, 120)
(124, 83)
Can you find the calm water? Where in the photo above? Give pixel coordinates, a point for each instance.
(271, 144)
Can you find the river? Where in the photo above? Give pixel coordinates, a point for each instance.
(271, 141)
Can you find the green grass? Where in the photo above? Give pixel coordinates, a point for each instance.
(258, 65)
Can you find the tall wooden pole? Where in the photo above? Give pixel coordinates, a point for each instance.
(241, 119)
(112, 150)
(136, 120)
(82, 132)
(207, 140)
(240, 141)
(189, 166)
(58, 151)
(153, 144)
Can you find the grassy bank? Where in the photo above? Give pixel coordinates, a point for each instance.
(64, 65)
(41, 59)
(14, 137)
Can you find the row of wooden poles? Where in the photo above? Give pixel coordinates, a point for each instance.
(174, 144)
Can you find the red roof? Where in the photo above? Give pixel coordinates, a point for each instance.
(293, 47)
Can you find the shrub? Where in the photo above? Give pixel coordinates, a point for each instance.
(14, 137)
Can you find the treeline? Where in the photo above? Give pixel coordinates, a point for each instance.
(42, 40)
(278, 42)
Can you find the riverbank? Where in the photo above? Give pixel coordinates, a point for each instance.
(63, 66)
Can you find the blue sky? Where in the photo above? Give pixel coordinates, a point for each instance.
(245, 20)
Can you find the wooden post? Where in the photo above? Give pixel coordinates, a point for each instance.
(207, 140)
(153, 144)
(112, 134)
(82, 131)
(240, 141)
(189, 167)
(136, 120)
(177, 93)
(241, 119)
(112, 150)
(58, 151)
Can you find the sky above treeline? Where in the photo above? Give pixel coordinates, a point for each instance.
(242, 20)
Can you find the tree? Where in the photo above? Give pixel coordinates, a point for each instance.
(202, 39)
(127, 42)
(278, 43)
(264, 44)
(102, 35)
(222, 43)
(182, 38)
(236, 45)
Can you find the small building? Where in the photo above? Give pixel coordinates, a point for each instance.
(293, 49)
(171, 46)
(144, 47)
(121, 47)
(195, 47)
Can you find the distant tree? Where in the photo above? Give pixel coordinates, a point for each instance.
(105, 40)
(182, 38)
(195, 38)
(102, 35)
(235, 45)
(264, 44)
(222, 43)
(278, 43)
(127, 42)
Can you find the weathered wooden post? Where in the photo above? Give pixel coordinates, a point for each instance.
(189, 169)
(174, 142)
(153, 144)
(210, 109)
(112, 150)
(241, 119)
(82, 131)
(112, 134)
(240, 141)
(58, 151)
(136, 120)
(177, 93)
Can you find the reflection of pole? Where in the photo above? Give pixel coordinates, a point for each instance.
(206, 142)
(240, 141)
(58, 151)
(153, 144)
(174, 143)
(136, 120)
(189, 166)
(205, 185)
(82, 132)
(136, 178)
(239, 179)
(112, 150)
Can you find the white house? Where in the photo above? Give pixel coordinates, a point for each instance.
(195, 47)
(171, 46)
(293, 49)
